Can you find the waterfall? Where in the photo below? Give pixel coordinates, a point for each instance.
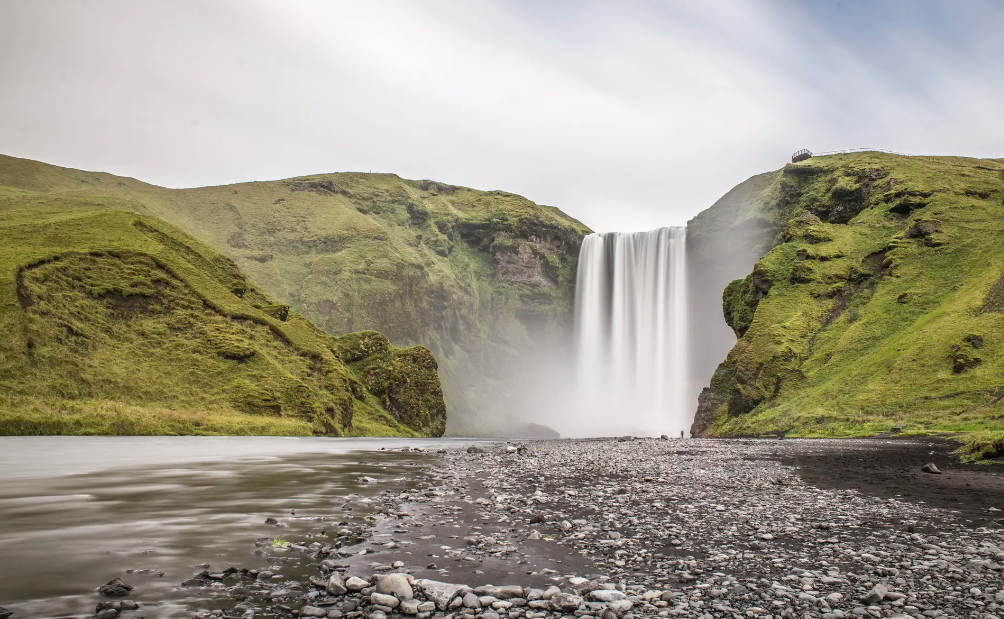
(631, 333)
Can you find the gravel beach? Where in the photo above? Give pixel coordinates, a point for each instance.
(648, 527)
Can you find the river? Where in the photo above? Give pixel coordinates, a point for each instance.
(76, 512)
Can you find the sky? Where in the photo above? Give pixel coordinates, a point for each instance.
(626, 115)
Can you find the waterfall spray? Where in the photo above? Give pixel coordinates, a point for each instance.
(631, 333)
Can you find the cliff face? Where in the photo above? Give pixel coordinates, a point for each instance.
(483, 279)
(877, 307)
(116, 323)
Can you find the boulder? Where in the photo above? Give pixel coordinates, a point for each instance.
(441, 593)
(409, 607)
(354, 583)
(875, 595)
(565, 601)
(336, 586)
(621, 606)
(396, 585)
(503, 593)
(606, 595)
(384, 599)
(115, 588)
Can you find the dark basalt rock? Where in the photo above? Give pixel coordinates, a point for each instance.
(115, 588)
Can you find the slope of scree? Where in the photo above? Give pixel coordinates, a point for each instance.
(484, 279)
(117, 323)
(878, 307)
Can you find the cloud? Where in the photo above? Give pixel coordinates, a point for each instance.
(626, 115)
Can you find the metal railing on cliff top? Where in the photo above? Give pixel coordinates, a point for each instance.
(805, 153)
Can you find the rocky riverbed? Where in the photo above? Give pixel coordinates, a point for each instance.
(625, 528)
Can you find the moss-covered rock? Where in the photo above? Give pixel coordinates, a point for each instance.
(873, 307)
(112, 322)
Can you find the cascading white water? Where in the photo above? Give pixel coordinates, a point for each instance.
(631, 333)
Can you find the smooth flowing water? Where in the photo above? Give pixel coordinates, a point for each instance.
(631, 333)
(76, 512)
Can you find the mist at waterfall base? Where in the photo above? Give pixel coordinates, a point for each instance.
(627, 370)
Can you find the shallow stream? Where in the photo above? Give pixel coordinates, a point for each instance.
(76, 512)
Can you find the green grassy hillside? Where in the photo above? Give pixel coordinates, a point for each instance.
(484, 279)
(879, 306)
(118, 323)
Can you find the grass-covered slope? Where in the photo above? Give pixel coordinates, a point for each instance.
(116, 323)
(879, 307)
(484, 279)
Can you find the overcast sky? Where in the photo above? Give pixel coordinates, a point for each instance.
(627, 115)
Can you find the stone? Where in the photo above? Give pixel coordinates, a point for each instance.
(471, 600)
(535, 534)
(410, 607)
(931, 468)
(534, 594)
(440, 593)
(313, 611)
(489, 614)
(875, 595)
(354, 583)
(384, 599)
(565, 601)
(114, 588)
(504, 592)
(621, 606)
(107, 613)
(608, 614)
(5, 614)
(550, 592)
(377, 614)
(605, 595)
(396, 585)
(336, 585)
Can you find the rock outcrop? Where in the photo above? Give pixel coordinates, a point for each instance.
(116, 323)
(874, 304)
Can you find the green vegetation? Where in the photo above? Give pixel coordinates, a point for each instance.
(986, 446)
(118, 323)
(480, 278)
(879, 306)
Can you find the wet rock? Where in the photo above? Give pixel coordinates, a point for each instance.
(396, 585)
(114, 588)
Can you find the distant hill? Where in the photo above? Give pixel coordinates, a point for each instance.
(482, 278)
(877, 304)
(113, 322)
